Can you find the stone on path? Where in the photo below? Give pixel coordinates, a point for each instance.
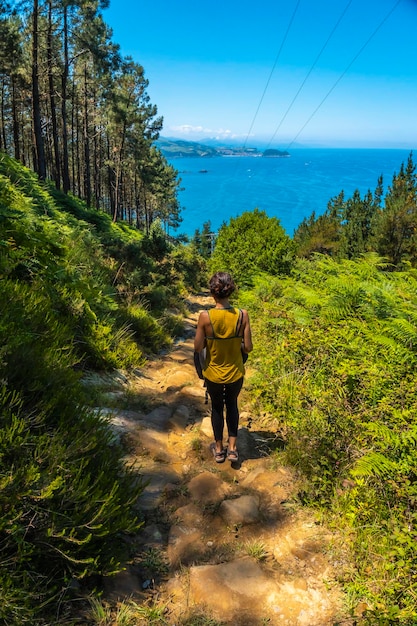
(207, 488)
(158, 418)
(231, 590)
(185, 542)
(184, 375)
(206, 427)
(242, 511)
(237, 591)
(275, 484)
(157, 480)
(156, 443)
(180, 418)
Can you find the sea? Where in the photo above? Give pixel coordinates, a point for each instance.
(217, 189)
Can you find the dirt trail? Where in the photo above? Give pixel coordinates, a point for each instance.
(224, 541)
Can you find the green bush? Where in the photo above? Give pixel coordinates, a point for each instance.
(335, 354)
(250, 244)
(67, 498)
(146, 330)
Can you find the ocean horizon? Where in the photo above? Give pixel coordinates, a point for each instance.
(217, 189)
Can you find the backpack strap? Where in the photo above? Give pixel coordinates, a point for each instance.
(212, 327)
(239, 324)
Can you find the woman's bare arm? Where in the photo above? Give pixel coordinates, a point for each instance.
(247, 333)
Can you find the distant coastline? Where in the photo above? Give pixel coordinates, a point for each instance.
(178, 148)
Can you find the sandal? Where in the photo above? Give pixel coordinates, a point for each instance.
(233, 456)
(219, 457)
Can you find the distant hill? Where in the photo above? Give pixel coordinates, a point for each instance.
(180, 148)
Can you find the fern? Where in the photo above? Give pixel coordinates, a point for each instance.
(374, 464)
(403, 330)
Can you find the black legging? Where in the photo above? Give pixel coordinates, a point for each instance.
(221, 395)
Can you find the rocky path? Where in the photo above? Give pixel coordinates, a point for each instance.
(225, 543)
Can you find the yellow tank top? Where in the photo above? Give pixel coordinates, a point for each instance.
(224, 363)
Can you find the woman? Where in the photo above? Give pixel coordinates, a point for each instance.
(225, 333)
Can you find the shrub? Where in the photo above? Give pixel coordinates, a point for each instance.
(335, 358)
(252, 243)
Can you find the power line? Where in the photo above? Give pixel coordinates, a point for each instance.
(310, 70)
(272, 71)
(345, 71)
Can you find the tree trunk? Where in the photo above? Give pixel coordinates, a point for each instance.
(78, 143)
(39, 149)
(16, 139)
(3, 131)
(52, 102)
(110, 181)
(64, 82)
(87, 170)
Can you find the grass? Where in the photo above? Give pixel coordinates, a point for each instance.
(128, 613)
(256, 549)
(154, 560)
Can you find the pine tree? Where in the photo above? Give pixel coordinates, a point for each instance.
(396, 223)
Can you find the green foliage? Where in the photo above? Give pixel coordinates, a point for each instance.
(66, 499)
(189, 268)
(82, 265)
(353, 226)
(69, 302)
(203, 241)
(335, 358)
(128, 613)
(252, 243)
(397, 223)
(319, 234)
(148, 333)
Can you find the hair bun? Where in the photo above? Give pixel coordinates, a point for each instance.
(221, 285)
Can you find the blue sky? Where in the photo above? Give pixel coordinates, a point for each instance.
(277, 73)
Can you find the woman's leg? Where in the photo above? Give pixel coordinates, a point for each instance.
(216, 393)
(231, 394)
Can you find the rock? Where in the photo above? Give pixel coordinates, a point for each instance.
(180, 354)
(246, 445)
(157, 479)
(180, 418)
(151, 536)
(158, 418)
(264, 480)
(207, 488)
(185, 542)
(156, 443)
(125, 584)
(190, 515)
(242, 511)
(194, 391)
(180, 377)
(206, 427)
(232, 590)
(184, 546)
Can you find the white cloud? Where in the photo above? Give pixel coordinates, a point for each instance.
(202, 131)
(187, 129)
